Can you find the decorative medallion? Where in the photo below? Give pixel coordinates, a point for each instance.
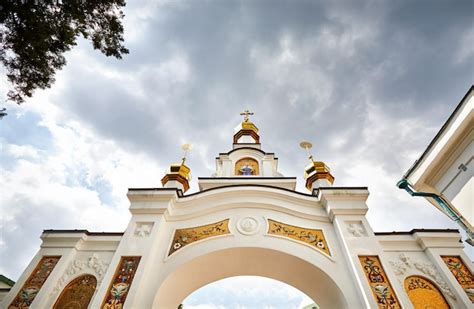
(247, 226)
(30, 289)
(77, 294)
(462, 273)
(93, 265)
(121, 282)
(246, 167)
(424, 294)
(184, 237)
(378, 281)
(312, 237)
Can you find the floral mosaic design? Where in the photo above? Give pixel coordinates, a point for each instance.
(121, 282)
(312, 237)
(379, 284)
(32, 286)
(462, 273)
(424, 294)
(77, 294)
(184, 237)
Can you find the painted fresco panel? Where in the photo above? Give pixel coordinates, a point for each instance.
(462, 274)
(121, 282)
(424, 294)
(32, 286)
(381, 288)
(184, 237)
(314, 238)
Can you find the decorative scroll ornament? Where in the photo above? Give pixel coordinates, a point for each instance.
(379, 284)
(247, 226)
(93, 264)
(404, 264)
(77, 294)
(30, 289)
(121, 282)
(424, 294)
(462, 274)
(184, 237)
(314, 238)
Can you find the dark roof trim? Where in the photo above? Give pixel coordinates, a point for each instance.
(249, 185)
(84, 232)
(413, 231)
(438, 135)
(247, 148)
(7, 281)
(5, 289)
(180, 192)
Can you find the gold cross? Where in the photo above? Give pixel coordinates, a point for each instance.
(246, 115)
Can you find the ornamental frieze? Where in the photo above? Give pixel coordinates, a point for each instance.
(378, 281)
(462, 274)
(313, 237)
(184, 237)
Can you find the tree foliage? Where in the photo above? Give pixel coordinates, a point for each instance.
(34, 34)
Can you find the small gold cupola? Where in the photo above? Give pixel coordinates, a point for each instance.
(246, 131)
(178, 175)
(317, 173)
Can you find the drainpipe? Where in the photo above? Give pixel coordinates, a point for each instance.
(448, 210)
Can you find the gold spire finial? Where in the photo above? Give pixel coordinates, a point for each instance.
(178, 174)
(317, 172)
(246, 113)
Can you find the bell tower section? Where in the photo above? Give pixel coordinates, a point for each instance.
(246, 163)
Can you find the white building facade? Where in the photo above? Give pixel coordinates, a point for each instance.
(444, 174)
(247, 219)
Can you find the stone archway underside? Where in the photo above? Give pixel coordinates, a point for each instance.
(253, 262)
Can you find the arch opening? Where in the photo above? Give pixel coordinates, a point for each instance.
(188, 277)
(248, 292)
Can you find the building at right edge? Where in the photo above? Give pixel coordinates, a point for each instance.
(444, 173)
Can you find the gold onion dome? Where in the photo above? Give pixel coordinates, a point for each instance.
(246, 127)
(316, 170)
(179, 172)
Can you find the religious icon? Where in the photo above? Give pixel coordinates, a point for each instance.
(246, 167)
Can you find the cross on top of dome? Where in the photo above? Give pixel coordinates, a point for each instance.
(246, 114)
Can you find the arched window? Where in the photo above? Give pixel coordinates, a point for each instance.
(77, 294)
(246, 167)
(424, 294)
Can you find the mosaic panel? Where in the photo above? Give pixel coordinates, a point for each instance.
(379, 284)
(121, 282)
(312, 237)
(30, 289)
(462, 273)
(424, 294)
(77, 294)
(184, 237)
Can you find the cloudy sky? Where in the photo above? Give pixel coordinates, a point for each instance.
(368, 82)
